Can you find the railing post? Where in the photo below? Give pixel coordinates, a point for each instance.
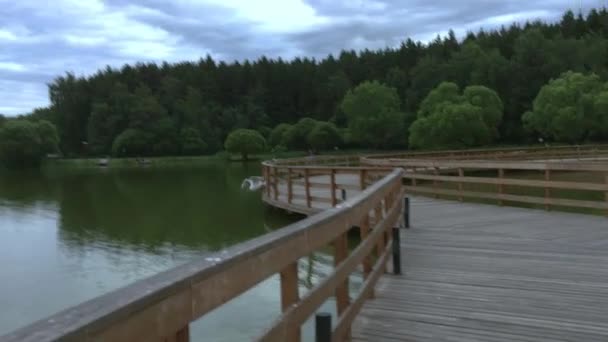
(289, 186)
(307, 187)
(396, 251)
(340, 254)
(275, 183)
(606, 193)
(414, 181)
(362, 175)
(460, 174)
(367, 261)
(183, 335)
(267, 177)
(381, 242)
(406, 212)
(501, 175)
(435, 182)
(323, 327)
(334, 199)
(547, 190)
(290, 296)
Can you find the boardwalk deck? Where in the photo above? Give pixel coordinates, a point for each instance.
(487, 273)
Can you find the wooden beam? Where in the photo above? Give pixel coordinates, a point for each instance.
(290, 296)
(334, 200)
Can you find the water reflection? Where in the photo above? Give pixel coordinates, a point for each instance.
(70, 235)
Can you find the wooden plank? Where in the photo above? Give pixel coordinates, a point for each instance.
(513, 198)
(488, 273)
(507, 165)
(512, 181)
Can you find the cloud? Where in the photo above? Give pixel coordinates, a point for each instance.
(41, 40)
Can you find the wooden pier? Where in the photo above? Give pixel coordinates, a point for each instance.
(461, 272)
(474, 272)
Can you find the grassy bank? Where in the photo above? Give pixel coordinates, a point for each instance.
(169, 161)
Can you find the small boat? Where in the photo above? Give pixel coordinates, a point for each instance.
(253, 183)
(103, 162)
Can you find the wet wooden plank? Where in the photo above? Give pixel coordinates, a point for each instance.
(477, 272)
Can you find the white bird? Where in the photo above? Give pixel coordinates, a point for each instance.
(254, 183)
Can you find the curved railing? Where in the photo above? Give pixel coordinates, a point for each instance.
(549, 177)
(161, 307)
(562, 178)
(345, 192)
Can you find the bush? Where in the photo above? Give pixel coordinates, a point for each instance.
(570, 109)
(245, 142)
(448, 119)
(191, 142)
(324, 136)
(24, 143)
(374, 116)
(296, 137)
(131, 142)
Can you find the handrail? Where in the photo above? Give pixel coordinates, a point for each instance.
(161, 307)
(497, 153)
(301, 187)
(488, 179)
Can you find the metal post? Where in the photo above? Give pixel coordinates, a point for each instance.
(406, 212)
(323, 327)
(396, 251)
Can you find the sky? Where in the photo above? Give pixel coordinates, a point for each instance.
(43, 39)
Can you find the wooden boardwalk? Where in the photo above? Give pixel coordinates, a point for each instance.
(476, 272)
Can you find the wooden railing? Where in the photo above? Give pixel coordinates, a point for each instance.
(160, 308)
(529, 153)
(311, 189)
(571, 184)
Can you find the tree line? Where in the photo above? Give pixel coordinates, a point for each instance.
(414, 95)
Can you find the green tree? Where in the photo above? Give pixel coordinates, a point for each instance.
(277, 136)
(449, 119)
(245, 142)
(374, 116)
(191, 142)
(324, 136)
(24, 143)
(296, 137)
(49, 138)
(570, 109)
(131, 142)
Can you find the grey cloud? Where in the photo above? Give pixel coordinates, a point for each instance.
(58, 36)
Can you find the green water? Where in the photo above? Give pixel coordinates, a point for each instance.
(68, 235)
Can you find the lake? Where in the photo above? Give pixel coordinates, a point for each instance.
(68, 235)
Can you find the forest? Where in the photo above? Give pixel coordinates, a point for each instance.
(511, 85)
